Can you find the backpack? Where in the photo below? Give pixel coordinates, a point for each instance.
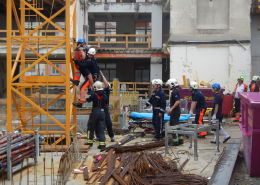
(227, 105)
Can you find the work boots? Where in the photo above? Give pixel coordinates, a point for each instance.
(180, 140)
(101, 147)
(175, 140)
(79, 105)
(76, 82)
(90, 143)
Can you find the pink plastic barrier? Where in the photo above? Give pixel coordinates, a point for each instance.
(250, 127)
(209, 95)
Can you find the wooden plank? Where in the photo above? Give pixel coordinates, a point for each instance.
(82, 147)
(85, 173)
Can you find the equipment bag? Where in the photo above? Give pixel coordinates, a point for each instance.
(227, 105)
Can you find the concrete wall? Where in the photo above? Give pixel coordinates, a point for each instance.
(255, 44)
(204, 20)
(223, 64)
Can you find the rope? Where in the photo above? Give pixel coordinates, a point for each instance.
(47, 98)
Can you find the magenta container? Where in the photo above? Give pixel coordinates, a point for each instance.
(209, 95)
(250, 127)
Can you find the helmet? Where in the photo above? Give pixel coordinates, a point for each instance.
(92, 51)
(216, 85)
(157, 82)
(241, 78)
(194, 85)
(258, 79)
(98, 86)
(172, 82)
(254, 78)
(81, 40)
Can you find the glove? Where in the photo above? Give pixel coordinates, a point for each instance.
(214, 117)
(191, 112)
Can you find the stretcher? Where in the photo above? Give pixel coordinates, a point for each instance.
(144, 120)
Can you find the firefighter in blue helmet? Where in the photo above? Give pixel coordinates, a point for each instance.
(158, 101)
(97, 116)
(216, 112)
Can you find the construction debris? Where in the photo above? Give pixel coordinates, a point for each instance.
(136, 148)
(143, 168)
(122, 142)
(120, 131)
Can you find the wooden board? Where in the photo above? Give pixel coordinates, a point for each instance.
(82, 147)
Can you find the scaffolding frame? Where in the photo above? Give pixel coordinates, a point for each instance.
(25, 42)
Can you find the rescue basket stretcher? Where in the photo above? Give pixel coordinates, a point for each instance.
(144, 120)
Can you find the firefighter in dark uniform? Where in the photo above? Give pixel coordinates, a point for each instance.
(198, 102)
(80, 54)
(174, 112)
(109, 124)
(158, 101)
(216, 112)
(97, 116)
(91, 67)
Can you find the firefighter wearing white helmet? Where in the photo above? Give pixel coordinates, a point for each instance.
(255, 84)
(174, 112)
(97, 117)
(91, 69)
(199, 104)
(158, 101)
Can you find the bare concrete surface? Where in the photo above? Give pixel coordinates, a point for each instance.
(207, 159)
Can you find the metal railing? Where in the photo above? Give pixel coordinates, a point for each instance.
(125, 41)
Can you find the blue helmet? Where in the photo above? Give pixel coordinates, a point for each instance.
(216, 85)
(81, 40)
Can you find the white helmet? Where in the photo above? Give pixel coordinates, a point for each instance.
(157, 82)
(254, 78)
(257, 79)
(98, 86)
(92, 51)
(194, 85)
(172, 82)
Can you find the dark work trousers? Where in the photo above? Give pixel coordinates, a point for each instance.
(158, 123)
(97, 122)
(237, 105)
(199, 119)
(174, 119)
(109, 124)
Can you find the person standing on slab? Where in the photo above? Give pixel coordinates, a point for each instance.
(97, 116)
(216, 112)
(158, 101)
(199, 104)
(240, 87)
(109, 124)
(174, 112)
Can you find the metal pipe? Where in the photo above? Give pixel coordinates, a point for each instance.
(37, 150)
(195, 143)
(9, 170)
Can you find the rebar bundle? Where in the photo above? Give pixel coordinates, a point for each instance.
(22, 146)
(144, 168)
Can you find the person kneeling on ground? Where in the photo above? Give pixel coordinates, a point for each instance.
(216, 112)
(174, 112)
(97, 116)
